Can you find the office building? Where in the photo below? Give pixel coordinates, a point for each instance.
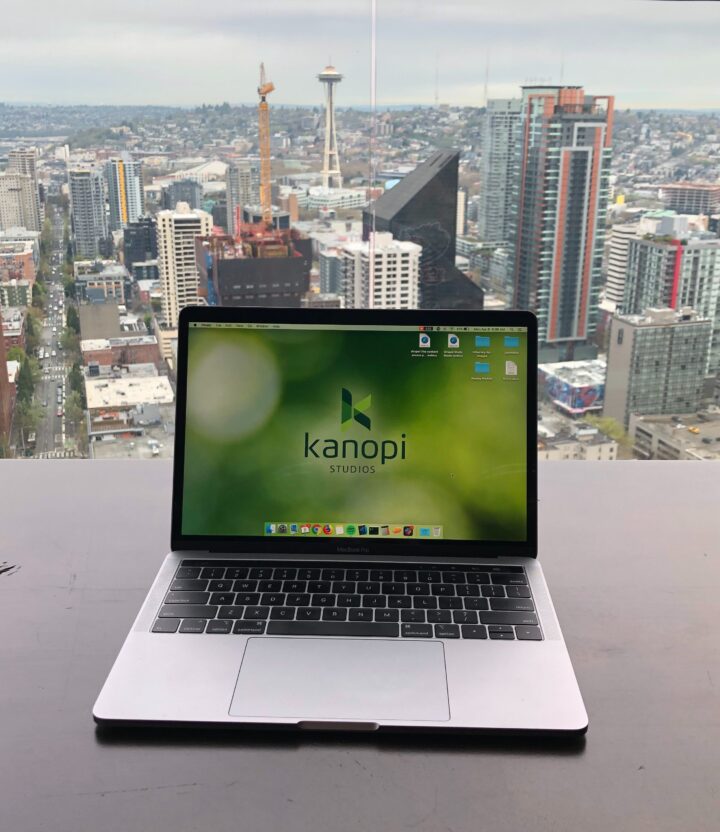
(500, 138)
(7, 393)
(183, 190)
(18, 202)
(676, 270)
(330, 272)
(126, 196)
(656, 363)
(23, 160)
(140, 241)
(422, 208)
(393, 283)
(558, 229)
(242, 187)
(691, 197)
(87, 204)
(177, 231)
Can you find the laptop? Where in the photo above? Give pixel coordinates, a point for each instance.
(354, 531)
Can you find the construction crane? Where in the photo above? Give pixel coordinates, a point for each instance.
(265, 88)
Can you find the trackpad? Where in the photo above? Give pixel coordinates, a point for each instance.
(354, 679)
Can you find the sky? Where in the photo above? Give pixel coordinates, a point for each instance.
(177, 52)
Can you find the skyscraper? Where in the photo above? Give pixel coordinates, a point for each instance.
(140, 241)
(422, 208)
(500, 135)
(619, 243)
(691, 197)
(87, 203)
(656, 363)
(393, 282)
(18, 202)
(558, 228)
(183, 190)
(331, 176)
(177, 231)
(125, 190)
(6, 393)
(242, 187)
(23, 160)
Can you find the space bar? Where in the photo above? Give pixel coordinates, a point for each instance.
(363, 629)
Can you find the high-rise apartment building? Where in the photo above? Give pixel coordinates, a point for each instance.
(330, 272)
(87, 203)
(691, 197)
(7, 393)
(23, 160)
(656, 363)
(125, 190)
(676, 272)
(422, 209)
(18, 202)
(558, 234)
(500, 136)
(140, 242)
(618, 245)
(461, 223)
(177, 231)
(242, 182)
(394, 281)
(183, 190)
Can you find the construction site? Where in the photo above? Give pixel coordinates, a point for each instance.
(261, 263)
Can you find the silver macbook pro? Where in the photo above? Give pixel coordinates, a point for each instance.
(354, 531)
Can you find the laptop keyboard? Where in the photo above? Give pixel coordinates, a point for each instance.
(422, 601)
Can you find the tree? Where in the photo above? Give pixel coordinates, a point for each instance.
(73, 319)
(74, 410)
(32, 333)
(27, 417)
(16, 354)
(70, 341)
(24, 383)
(149, 322)
(76, 382)
(39, 295)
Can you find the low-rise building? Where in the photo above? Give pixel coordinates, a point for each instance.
(13, 326)
(694, 436)
(575, 387)
(579, 441)
(127, 349)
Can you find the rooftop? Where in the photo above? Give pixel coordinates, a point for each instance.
(696, 433)
(578, 373)
(129, 391)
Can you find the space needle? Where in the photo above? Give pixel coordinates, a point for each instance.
(331, 176)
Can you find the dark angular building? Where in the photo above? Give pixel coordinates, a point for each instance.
(184, 190)
(422, 208)
(140, 242)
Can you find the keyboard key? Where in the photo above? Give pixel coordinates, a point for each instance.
(509, 580)
(319, 586)
(222, 598)
(282, 613)
(187, 611)
(269, 586)
(283, 573)
(213, 572)
(465, 617)
(527, 619)
(518, 570)
(427, 602)
(475, 603)
(416, 630)
(247, 598)
(245, 586)
(308, 614)
(256, 613)
(349, 600)
(517, 591)
(360, 629)
(344, 587)
(393, 588)
(360, 614)
(333, 574)
(512, 604)
(187, 597)
(373, 601)
(451, 603)
(188, 586)
(235, 572)
(387, 615)
(219, 626)
(220, 586)
(447, 631)
(399, 601)
(294, 586)
(249, 628)
(188, 572)
(323, 601)
(489, 591)
(453, 577)
(439, 616)
(406, 576)
(418, 589)
(230, 612)
(467, 590)
(413, 616)
(443, 590)
(308, 574)
(473, 631)
(381, 575)
(193, 625)
(168, 625)
(502, 636)
(356, 575)
(262, 573)
(298, 599)
(478, 578)
(334, 614)
(272, 599)
(528, 633)
(428, 577)
(368, 587)
(500, 628)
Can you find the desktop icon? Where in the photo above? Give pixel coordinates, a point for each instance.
(304, 529)
(339, 529)
(424, 339)
(424, 531)
(351, 529)
(482, 368)
(327, 529)
(269, 528)
(316, 529)
(512, 341)
(362, 529)
(482, 341)
(511, 368)
(396, 530)
(293, 528)
(408, 531)
(374, 530)
(384, 530)
(453, 341)
(282, 528)
(437, 531)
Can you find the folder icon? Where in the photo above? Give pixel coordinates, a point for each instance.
(512, 341)
(482, 368)
(482, 341)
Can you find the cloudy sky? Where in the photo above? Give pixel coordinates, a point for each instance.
(647, 53)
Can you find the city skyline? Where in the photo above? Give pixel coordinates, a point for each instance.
(68, 56)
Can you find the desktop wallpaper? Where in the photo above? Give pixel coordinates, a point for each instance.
(316, 431)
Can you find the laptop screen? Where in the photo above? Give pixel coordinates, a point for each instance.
(326, 431)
